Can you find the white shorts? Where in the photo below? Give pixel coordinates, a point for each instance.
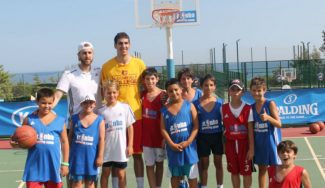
(153, 155)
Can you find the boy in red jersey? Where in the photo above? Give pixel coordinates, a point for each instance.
(288, 174)
(237, 119)
(152, 102)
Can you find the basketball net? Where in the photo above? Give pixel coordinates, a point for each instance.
(289, 79)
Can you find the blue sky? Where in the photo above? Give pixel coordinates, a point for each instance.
(42, 35)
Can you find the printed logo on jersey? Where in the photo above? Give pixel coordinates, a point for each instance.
(126, 79)
(177, 128)
(114, 125)
(260, 127)
(210, 124)
(84, 139)
(150, 114)
(226, 116)
(238, 129)
(45, 139)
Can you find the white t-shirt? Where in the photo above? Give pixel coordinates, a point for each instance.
(76, 83)
(236, 111)
(117, 119)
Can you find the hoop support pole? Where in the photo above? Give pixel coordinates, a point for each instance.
(170, 68)
(169, 37)
(170, 53)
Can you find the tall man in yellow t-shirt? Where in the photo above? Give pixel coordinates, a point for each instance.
(127, 71)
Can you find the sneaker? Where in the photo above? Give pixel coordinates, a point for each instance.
(183, 184)
(198, 185)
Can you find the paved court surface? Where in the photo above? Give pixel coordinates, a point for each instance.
(311, 155)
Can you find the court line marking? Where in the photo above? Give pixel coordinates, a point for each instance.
(303, 137)
(6, 171)
(319, 166)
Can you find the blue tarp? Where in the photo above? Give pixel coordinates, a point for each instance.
(12, 114)
(297, 106)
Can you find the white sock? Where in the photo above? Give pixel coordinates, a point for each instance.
(158, 187)
(219, 186)
(204, 186)
(140, 182)
(115, 182)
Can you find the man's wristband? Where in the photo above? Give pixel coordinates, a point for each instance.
(64, 164)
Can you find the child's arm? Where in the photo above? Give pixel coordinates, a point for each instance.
(273, 118)
(164, 133)
(129, 149)
(305, 179)
(194, 130)
(100, 154)
(250, 153)
(65, 152)
(163, 97)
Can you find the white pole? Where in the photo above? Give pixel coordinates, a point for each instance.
(169, 37)
(170, 53)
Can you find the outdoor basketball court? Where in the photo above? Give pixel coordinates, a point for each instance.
(311, 155)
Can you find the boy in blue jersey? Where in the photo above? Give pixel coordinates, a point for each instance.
(186, 78)
(44, 165)
(267, 133)
(179, 127)
(86, 135)
(210, 131)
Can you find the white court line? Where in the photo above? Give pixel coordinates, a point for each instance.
(301, 137)
(309, 159)
(315, 158)
(6, 171)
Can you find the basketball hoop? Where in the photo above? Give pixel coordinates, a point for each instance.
(165, 16)
(289, 79)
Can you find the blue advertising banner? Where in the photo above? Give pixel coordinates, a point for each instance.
(12, 114)
(297, 106)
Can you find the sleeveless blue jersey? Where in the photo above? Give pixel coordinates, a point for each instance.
(179, 128)
(84, 145)
(209, 122)
(44, 160)
(197, 95)
(266, 138)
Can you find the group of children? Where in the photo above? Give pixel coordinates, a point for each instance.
(187, 123)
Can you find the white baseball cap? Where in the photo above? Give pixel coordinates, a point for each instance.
(88, 97)
(85, 45)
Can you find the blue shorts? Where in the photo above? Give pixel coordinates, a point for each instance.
(188, 170)
(83, 177)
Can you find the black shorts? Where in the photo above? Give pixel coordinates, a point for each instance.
(121, 165)
(209, 142)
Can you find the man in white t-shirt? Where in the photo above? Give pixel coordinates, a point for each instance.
(79, 79)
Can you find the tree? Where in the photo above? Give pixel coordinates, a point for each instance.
(5, 84)
(22, 89)
(36, 79)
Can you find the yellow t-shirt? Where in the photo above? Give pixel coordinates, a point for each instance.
(128, 77)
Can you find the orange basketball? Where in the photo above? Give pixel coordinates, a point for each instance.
(321, 125)
(26, 136)
(314, 128)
